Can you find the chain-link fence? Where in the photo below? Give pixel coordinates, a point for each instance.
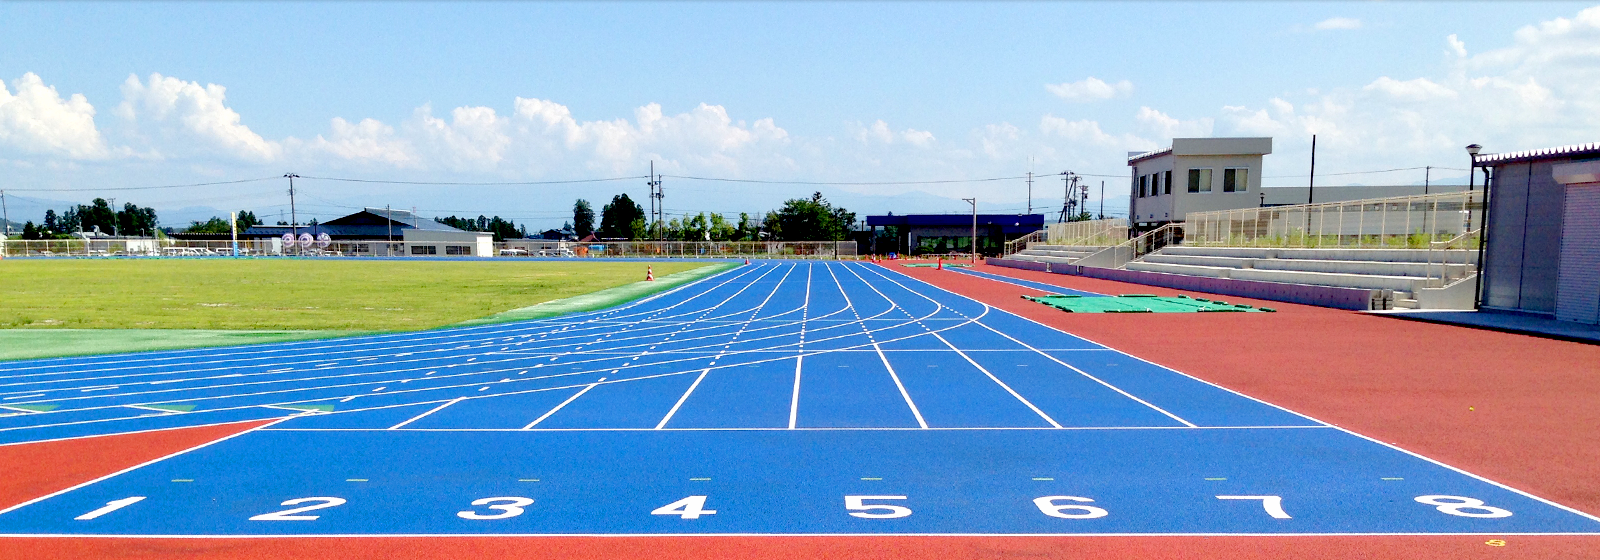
(1402, 222)
(274, 247)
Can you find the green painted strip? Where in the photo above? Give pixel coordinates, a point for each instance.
(171, 407)
(602, 299)
(316, 407)
(27, 344)
(1139, 303)
(35, 407)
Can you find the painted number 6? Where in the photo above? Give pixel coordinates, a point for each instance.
(1457, 505)
(1049, 507)
(512, 508)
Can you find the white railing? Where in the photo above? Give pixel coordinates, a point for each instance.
(1400, 222)
(1021, 243)
(1121, 254)
(1090, 232)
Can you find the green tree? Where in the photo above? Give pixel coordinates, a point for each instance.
(29, 232)
(813, 219)
(617, 219)
(213, 225)
(582, 219)
(246, 219)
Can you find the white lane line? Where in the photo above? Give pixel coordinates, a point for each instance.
(685, 397)
(152, 409)
(430, 411)
(560, 406)
(24, 396)
(794, 400)
(914, 412)
(15, 409)
(93, 389)
(997, 381)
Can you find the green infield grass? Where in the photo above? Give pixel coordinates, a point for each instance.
(290, 294)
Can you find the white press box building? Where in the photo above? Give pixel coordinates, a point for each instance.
(1195, 175)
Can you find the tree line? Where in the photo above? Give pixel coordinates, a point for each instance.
(501, 228)
(97, 216)
(798, 219)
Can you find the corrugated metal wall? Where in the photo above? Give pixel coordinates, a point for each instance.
(1521, 264)
(1580, 256)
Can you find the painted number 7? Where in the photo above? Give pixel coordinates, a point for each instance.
(1273, 504)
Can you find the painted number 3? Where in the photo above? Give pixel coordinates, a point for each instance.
(1463, 506)
(507, 506)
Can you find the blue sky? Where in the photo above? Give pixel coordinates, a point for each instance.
(872, 91)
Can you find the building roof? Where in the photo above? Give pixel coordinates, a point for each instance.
(1028, 221)
(369, 223)
(1226, 146)
(1569, 151)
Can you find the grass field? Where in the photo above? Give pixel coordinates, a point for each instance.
(290, 295)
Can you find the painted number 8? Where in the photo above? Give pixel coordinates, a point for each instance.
(1459, 506)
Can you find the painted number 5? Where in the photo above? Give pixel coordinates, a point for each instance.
(860, 508)
(1049, 506)
(511, 508)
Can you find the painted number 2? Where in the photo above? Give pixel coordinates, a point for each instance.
(511, 507)
(289, 514)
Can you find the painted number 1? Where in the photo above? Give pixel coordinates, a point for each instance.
(110, 506)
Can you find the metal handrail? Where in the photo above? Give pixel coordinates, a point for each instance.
(1442, 248)
(1119, 255)
(1020, 244)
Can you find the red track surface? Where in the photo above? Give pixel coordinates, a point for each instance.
(1517, 409)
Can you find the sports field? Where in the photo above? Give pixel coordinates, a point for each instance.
(776, 399)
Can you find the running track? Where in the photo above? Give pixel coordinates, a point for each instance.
(776, 398)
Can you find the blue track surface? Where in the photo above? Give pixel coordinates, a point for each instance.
(788, 398)
(1041, 286)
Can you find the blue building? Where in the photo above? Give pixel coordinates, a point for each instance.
(920, 234)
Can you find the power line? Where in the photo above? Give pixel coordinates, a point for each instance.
(464, 183)
(92, 189)
(1365, 172)
(862, 183)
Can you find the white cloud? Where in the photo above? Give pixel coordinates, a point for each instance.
(879, 133)
(1457, 47)
(36, 120)
(1090, 89)
(1419, 89)
(368, 141)
(175, 118)
(1338, 23)
(1165, 127)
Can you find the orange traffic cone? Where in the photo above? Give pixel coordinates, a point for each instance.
(649, 273)
(747, 261)
(941, 263)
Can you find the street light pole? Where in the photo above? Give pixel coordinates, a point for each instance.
(1472, 172)
(974, 202)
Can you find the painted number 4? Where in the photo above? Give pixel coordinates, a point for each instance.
(691, 507)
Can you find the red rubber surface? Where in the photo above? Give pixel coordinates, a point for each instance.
(785, 548)
(32, 470)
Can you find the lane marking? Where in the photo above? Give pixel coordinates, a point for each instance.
(914, 412)
(675, 406)
(563, 404)
(997, 381)
(425, 414)
(794, 398)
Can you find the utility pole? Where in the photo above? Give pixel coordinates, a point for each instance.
(113, 218)
(1426, 173)
(294, 223)
(6, 211)
(1311, 185)
(1030, 192)
(388, 220)
(1102, 200)
(974, 202)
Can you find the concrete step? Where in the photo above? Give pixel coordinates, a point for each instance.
(1366, 281)
(1043, 253)
(1406, 304)
(1332, 254)
(1378, 268)
(1043, 258)
(1198, 260)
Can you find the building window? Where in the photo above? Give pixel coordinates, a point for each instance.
(1155, 184)
(1166, 183)
(1235, 180)
(1144, 182)
(457, 250)
(424, 250)
(1199, 180)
